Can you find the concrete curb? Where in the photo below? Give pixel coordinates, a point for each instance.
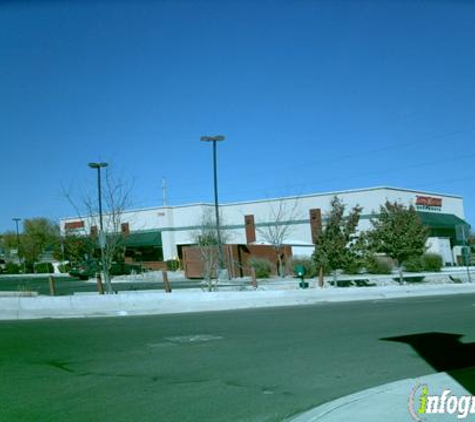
(181, 301)
(340, 408)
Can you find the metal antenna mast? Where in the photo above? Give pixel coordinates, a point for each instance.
(164, 191)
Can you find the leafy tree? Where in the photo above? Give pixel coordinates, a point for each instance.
(39, 234)
(336, 247)
(74, 248)
(471, 241)
(9, 242)
(399, 233)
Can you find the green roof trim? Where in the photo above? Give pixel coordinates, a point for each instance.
(440, 220)
(145, 238)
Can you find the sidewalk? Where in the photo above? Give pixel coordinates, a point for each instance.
(398, 401)
(191, 300)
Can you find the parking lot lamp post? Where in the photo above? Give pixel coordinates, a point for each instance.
(102, 235)
(17, 220)
(214, 140)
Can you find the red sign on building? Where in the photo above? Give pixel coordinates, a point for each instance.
(74, 225)
(428, 203)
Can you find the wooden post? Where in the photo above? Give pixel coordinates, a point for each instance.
(254, 279)
(100, 287)
(52, 291)
(320, 277)
(166, 283)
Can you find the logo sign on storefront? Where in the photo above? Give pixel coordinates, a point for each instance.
(428, 203)
(73, 226)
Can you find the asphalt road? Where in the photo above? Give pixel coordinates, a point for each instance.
(255, 365)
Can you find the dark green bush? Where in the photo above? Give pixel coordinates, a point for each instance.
(262, 266)
(173, 264)
(44, 268)
(379, 265)
(29, 267)
(412, 279)
(414, 264)
(432, 262)
(12, 268)
(307, 263)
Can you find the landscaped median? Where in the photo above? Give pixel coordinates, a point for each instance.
(180, 301)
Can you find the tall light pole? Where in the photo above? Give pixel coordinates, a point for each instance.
(102, 235)
(17, 220)
(214, 140)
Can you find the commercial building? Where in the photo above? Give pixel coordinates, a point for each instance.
(158, 234)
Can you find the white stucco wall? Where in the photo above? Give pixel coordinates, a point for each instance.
(178, 223)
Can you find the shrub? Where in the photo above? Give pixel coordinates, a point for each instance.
(307, 263)
(29, 267)
(12, 268)
(353, 267)
(379, 265)
(64, 268)
(432, 262)
(262, 266)
(414, 264)
(44, 268)
(172, 264)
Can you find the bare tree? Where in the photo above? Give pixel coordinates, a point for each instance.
(279, 226)
(206, 240)
(116, 196)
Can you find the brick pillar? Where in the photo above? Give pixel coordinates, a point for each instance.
(125, 229)
(315, 223)
(250, 228)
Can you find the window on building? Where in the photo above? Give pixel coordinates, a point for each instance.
(145, 253)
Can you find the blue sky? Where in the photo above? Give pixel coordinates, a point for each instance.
(312, 96)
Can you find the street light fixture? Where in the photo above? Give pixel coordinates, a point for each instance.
(102, 236)
(214, 140)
